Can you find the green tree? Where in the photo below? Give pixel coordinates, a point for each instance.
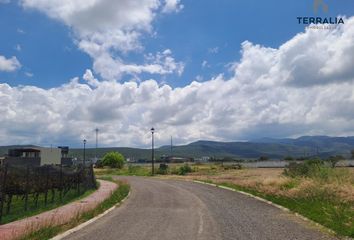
(113, 160)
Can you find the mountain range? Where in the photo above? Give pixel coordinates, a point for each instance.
(305, 146)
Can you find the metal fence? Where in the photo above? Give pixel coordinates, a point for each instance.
(28, 183)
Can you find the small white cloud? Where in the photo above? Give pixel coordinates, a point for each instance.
(18, 47)
(205, 64)
(213, 50)
(9, 64)
(172, 6)
(29, 74)
(20, 31)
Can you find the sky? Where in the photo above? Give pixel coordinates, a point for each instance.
(193, 69)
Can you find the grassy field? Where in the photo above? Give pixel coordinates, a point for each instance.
(325, 196)
(17, 206)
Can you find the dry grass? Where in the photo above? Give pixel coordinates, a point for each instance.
(340, 182)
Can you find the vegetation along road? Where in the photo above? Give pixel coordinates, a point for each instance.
(170, 209)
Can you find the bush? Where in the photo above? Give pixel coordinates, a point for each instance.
(183, 170)
(113, 160)
(163, 169)
(233, 166)
(314, 168)
(99, 164)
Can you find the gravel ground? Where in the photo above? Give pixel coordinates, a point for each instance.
(169, 209)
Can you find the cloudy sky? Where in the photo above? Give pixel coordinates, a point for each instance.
(194, 69)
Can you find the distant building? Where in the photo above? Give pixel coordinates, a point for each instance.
(171, 159)
(65, 159)
(202, 159)
(37, 156)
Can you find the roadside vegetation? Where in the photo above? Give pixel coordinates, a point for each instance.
(48, 232)
(113, 160)
(136, 170)
(36, 207)
(312, 188)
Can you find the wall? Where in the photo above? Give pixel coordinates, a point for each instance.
(50, 156)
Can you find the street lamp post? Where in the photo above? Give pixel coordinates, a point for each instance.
(152, 151)
(84, 152)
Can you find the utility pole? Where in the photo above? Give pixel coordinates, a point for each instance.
(152, 152)
(84, 152)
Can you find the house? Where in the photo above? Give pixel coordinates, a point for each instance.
(37, 156)
(203, 159)
(65, 159)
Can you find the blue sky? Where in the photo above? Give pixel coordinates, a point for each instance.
(135, 64)
(209, 31)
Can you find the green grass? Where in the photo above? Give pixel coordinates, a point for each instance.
(325, 210)
(133, 170)
(129, 170)
(48, 232)
(17, 206)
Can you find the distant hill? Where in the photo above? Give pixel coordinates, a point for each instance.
(323, 146)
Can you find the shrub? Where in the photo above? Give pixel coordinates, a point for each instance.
(183, 170)
(113, 160)
(314, 168)
(233, 166)
(99, 164)
(308, 168)
(162, 169)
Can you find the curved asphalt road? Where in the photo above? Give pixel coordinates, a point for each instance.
(171, 210)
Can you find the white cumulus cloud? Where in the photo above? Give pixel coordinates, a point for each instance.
(305, 86)
(108, 29)
(9, 64)
(172, 6)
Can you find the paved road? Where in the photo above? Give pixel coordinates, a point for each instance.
(169, 210)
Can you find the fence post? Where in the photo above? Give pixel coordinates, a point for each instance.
(93, 177)
(2, 190)
(84, 178)
(78, 182)
(26, 187)
(61, 183)
(46, 185)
